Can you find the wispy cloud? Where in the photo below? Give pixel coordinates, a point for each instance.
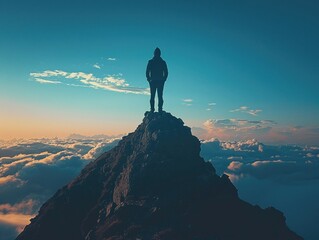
(115, 83)
(188, 101)
(97, 66)
(40, 80)
(245, 109)
(235, 128)
(49, 73)
(238, 124)
(254, 112)
(111, 59)
(210, 106)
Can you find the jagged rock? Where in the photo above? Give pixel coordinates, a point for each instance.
(153, 185)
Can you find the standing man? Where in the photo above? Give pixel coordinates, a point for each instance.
(156, 74)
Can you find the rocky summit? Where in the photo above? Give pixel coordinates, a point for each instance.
(154, 185)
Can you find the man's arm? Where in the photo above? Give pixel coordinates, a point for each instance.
(148, 71)
(165, 71)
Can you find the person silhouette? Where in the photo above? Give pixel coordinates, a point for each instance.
(156, 75)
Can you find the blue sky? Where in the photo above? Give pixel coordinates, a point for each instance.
(253, 61)
(237, 70)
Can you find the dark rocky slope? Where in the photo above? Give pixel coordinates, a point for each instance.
(154, 185)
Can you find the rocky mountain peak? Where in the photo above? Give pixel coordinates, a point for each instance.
(153, 185)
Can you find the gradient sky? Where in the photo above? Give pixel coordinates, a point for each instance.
(237, 69)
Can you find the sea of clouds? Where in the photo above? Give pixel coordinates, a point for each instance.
(31, 171)
(283, 176)
(286, 177)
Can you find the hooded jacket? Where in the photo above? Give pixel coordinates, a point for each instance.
(156, 70)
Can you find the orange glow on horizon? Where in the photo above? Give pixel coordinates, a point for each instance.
(23, 121)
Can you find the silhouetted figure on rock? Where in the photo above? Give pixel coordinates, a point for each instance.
(156, 74)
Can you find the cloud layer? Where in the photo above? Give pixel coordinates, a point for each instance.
(285, 164)
(115, 83)
(32, 170)
(283, 176)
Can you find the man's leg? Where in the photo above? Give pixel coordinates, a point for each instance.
(153, 90)
(160, 88)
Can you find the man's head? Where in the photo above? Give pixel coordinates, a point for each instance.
(157, 52)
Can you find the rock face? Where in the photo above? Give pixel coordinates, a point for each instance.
(153, 185)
